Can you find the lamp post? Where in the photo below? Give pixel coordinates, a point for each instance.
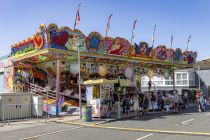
(58, 71)
(79, 81)
(199, 80)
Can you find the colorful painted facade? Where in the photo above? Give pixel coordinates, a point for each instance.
(64, 39)
(116, 53)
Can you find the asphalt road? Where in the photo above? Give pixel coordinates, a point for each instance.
(189, 121)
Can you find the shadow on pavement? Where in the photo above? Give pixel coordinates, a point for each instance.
(162, 115)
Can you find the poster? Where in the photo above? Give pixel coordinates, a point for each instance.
(89, 94)
(8, 78)
(96, 105)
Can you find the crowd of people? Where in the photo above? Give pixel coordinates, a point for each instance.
(163, 101)
(160, 101)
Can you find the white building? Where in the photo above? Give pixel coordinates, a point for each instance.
(184, 78)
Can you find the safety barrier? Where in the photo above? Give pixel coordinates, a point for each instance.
(17, 112)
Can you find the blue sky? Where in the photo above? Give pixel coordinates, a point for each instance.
(21, 18)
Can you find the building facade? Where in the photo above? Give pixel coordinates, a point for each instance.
(184, 79)
(202, 76)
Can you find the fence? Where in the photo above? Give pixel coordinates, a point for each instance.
(17, 112)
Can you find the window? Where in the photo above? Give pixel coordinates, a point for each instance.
(182, 79)
(184, 76)
(169, 81)
(178, 76)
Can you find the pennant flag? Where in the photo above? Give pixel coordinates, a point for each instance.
(77, 18)
(172, 39)
(134, 26)
(188, 40)
(153, 35)
(108, 24)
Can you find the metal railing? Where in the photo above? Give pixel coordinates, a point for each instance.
(35, 89)
(17, 112)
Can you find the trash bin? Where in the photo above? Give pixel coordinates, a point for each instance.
(87, 113)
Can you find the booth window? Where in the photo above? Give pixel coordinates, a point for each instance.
(96, 91)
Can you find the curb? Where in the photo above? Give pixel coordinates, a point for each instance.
(142, 129)
(116, 119)
(132, 116)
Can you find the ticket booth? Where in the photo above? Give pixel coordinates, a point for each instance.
(98, 94)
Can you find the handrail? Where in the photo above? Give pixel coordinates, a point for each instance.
(42, 91)
(51, 94)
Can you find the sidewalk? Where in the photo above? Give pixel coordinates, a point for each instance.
(97, 121)
(75, 119)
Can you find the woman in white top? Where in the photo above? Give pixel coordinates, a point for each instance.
(136, 106)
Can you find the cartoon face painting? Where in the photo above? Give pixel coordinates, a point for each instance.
(108, 42)
(160, 52)
(189, 56)
(143, 48)
(117, 48)
(93, 42)
(170, 53)
(178, 55)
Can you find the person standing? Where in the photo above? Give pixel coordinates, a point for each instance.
(186, 100)
(117, 104)
(153, 99)
(198, 94)
(159, 98)
(162, 103)
(136, 106)
(175, 102)
(124, 101)
(202, 102)
(167, 103)
(145, 104)
(128, 104)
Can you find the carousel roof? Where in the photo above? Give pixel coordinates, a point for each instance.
(53, 43)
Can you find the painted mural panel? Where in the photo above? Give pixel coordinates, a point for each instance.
(189, 57)
(5, 63)
(178, 56)
(8, 78)
(67, 39)
(94, 42)
(36, 42)
(143, 50)
(170, 55)
(161, 52)
(120, 46)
